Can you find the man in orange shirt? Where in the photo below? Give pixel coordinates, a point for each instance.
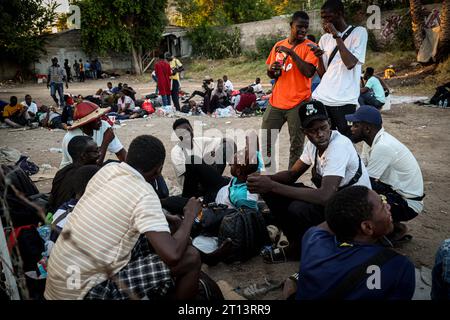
(292, 63)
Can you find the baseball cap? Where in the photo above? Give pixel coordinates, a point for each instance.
(366, 114)
(310, 111)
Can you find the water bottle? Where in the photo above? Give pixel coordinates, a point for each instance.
(445, 104)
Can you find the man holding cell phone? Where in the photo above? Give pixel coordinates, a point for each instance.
(341, 54)
(292, 63)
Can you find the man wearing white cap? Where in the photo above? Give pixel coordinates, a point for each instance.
(88, 121)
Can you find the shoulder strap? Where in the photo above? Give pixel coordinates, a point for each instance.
(358, 274)
(335, 50)
(356, 177)
(62, 216)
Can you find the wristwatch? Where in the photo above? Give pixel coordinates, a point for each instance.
(339, 34)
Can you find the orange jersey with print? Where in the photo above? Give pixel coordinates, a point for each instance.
(292, 87)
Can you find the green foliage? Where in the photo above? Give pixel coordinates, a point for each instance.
(372, 43)
(239, 11)
(23, 22)
(404, 39)
(121, 25)
(213, 43)
(195, 13)
(265, 43)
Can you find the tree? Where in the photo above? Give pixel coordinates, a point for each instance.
(444, 36)
(23, 23)
(418, 22)
(195, 13)
(121, 25)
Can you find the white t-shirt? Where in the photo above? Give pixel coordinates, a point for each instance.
(121, 104)
(228, 86)
(257, 87)
(114, 147)
(31, 108)
(203, 146)
(339, 159)
(340, 86)
(391, 162)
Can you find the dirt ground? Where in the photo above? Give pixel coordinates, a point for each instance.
(426, 131)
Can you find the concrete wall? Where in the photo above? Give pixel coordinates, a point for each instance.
(8, 69)
(280, 25)
(67, 45)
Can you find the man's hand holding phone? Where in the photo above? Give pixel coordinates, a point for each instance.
(316, 49)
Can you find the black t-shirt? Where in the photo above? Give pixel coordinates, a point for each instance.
(62, 187)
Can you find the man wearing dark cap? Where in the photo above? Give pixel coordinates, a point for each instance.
(392, 168)
(334, 164)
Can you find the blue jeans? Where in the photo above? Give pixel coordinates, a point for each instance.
(175, 91)
(368, 98)
(60, 88)
(166, 100)
(440, 289)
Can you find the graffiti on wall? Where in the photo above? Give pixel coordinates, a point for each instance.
(391, 23)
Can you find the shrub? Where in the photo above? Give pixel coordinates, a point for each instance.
(210, 42)
(265, 43)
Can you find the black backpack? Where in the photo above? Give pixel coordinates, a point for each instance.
(247, 230)
(441, 94)
(21, 212)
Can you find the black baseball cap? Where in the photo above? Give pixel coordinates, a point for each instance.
(310, 111)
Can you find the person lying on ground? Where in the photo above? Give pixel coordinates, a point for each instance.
(341, 258)
(15, 114)
(334, 165)
(88, 120)
(84, 151)
(393, 169)
(199, 162)
(121, 239)
(79, 182)
(50, 118)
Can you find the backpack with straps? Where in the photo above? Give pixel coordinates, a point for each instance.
(247, 230)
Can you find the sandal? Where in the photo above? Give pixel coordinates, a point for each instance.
(273, 255)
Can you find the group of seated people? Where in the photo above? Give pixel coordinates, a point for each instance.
(28, 113)
(246, 100)
(337, 229)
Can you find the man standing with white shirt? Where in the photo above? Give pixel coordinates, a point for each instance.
(341, 52)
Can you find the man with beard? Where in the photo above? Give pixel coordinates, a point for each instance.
(393, 169)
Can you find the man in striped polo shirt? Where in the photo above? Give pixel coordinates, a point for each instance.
(117, 243)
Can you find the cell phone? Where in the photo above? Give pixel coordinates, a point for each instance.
(312, 46)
